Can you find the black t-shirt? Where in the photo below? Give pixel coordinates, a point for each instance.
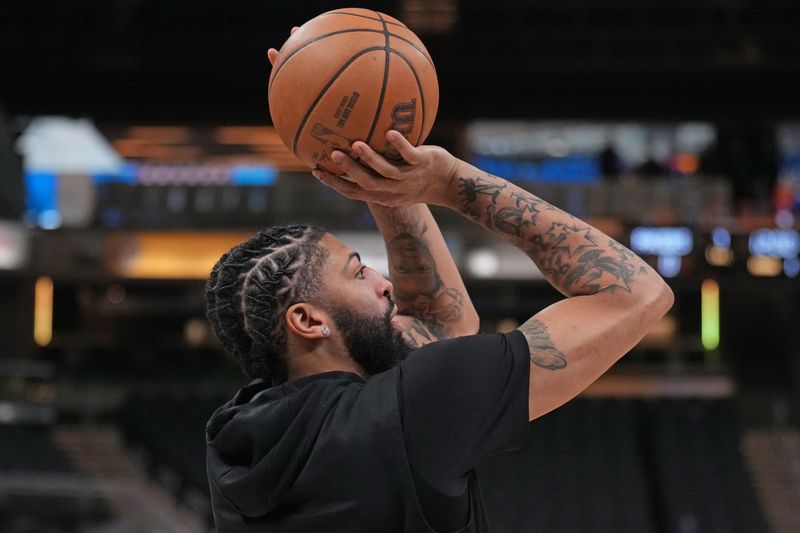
(332, 452)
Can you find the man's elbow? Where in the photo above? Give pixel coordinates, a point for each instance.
(659, 301)
(648, 311)
(475, 325)
(666, 298)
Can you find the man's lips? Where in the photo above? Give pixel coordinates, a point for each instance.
(397, 326)
(392, 319)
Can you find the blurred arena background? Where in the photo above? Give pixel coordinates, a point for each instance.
(135, 148)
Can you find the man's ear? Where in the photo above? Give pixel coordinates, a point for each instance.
(306, 320)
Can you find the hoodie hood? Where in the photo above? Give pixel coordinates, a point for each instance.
(259, 441)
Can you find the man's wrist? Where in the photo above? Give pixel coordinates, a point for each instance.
(448, 191)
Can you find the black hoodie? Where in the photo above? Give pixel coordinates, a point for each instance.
(330, 452)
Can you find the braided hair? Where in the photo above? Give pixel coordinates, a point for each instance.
(252, 286)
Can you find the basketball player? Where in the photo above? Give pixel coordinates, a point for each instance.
(370, 407)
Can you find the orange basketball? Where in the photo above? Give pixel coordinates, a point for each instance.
(347, 75)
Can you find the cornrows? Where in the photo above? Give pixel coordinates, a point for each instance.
(250, 289)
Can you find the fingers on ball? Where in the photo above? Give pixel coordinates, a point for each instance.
(405, 148)
(350, 189)
(350, 166)
(375, 161)
(339, 184)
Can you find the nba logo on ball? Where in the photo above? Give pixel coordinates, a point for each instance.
(347, 75)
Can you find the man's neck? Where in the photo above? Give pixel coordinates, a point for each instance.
(316, 363)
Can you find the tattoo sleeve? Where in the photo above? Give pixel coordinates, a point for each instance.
(543, 353)
(572, 255)
(426, 283)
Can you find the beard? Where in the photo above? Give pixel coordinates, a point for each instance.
(372, 341)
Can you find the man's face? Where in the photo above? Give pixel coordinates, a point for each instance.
(361, 307)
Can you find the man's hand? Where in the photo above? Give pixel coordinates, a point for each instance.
(423, 176)
(272, 53)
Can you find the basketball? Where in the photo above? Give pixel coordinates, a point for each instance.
(349, 75)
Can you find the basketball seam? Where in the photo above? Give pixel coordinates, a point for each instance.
(325, 89)
(383, 86)
(365, 17)
(339, 32)
(352, 30)
(418, 49)
(421, 92)
(309, 43)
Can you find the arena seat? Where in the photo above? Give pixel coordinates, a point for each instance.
(170, 428)
(29, 448)
(581, 470)
(704, 485)
(610, 465)
(30, 462)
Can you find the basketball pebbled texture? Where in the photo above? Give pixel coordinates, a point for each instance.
(347, 75)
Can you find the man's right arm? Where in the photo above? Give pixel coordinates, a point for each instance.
(614, 298)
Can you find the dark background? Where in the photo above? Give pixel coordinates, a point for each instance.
(202, 60)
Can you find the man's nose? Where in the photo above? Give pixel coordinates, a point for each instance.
(384, 288)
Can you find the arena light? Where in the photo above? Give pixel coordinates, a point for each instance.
(575, 168)
(686, 163)
(483, 263)
(791, 267)
(718, 256)
(779, 243)
(66, 146)
(662, 241)
(669, 244)
(160, 134)
(721, 237)
(669, 266)
(42, 199)
(784, 219)
(763, 266)
(719, 252)
(253, 175)
(14, 246)
(167, 255)
(709, 313)
(43, 311)
(499, 261)
(249, 135)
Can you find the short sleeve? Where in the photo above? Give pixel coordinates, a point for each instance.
(463, 400)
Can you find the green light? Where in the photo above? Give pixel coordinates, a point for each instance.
(709, 313)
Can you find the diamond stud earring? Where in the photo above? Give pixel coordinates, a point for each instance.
(326, 330)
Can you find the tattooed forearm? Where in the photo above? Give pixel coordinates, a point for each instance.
(543, 353)
(401, 221)
(418, 288)
(437, 310)
(426, 283)
(575, 257)
(471, 189)
(415, 332)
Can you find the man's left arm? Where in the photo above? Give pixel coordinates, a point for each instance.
(430, 294)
